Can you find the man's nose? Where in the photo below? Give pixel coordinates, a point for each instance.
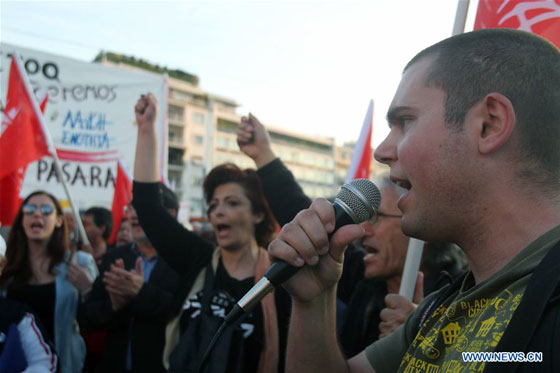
(369, 228)
(386, 152)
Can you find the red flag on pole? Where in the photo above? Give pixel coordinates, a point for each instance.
(541, 17)
(22, 140)
(122, 196)
(361, 159)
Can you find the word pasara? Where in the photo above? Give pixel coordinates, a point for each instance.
(88, 175)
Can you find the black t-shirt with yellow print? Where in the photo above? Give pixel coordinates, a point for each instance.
(471, 320)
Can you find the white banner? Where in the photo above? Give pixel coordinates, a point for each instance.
(90, 116)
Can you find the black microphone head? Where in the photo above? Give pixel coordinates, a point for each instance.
(360, 198)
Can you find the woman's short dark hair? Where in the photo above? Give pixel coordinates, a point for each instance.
(251, 184)
(17, 271)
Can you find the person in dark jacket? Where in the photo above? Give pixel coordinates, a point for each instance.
(132, 300)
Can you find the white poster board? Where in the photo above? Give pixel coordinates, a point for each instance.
(90, 116)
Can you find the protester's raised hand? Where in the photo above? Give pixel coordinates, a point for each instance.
(398, 308)
(305, 240)
(254, 141)
(146, 160)
(146, 112)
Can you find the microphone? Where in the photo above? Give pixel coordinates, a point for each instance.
(356, 202)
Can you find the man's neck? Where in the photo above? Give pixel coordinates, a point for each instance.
(506, 229)
(147, 251)
(393, 284)
(99, 247)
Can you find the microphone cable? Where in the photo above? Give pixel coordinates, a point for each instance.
(231, 317)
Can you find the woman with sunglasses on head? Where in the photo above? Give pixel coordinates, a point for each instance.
(38, 261)
(215, 278)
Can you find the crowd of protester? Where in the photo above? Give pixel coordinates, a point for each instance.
(154, 300)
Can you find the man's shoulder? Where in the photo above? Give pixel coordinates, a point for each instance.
(120, 251)
(124, 252)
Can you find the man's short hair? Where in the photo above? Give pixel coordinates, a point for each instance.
(523, 67)
(102, 216)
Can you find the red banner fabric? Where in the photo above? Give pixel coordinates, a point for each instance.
(22, 141)
(122, 196)
(540, 17)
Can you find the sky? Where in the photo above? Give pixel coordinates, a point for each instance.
(307, 66)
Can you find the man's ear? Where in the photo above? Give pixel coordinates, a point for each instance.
(498, 122)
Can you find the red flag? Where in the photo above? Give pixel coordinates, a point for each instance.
(22, 140)
(122, 196)
(361, 159)
(541, 17)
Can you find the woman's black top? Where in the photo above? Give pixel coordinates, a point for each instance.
(41, 299)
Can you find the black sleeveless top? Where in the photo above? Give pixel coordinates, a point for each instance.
(41, 300)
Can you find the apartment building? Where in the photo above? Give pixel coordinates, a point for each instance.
(202, 134)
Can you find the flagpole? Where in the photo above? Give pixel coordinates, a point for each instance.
(460, 17)
(51, 147)
(411, 267)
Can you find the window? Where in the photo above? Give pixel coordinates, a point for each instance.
(197, 139)
(180, 95)
(196, 181)
(198, 118)
(222, 142)
(176, 112)
(175, 157)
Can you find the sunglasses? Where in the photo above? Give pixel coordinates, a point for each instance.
(46, 210)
